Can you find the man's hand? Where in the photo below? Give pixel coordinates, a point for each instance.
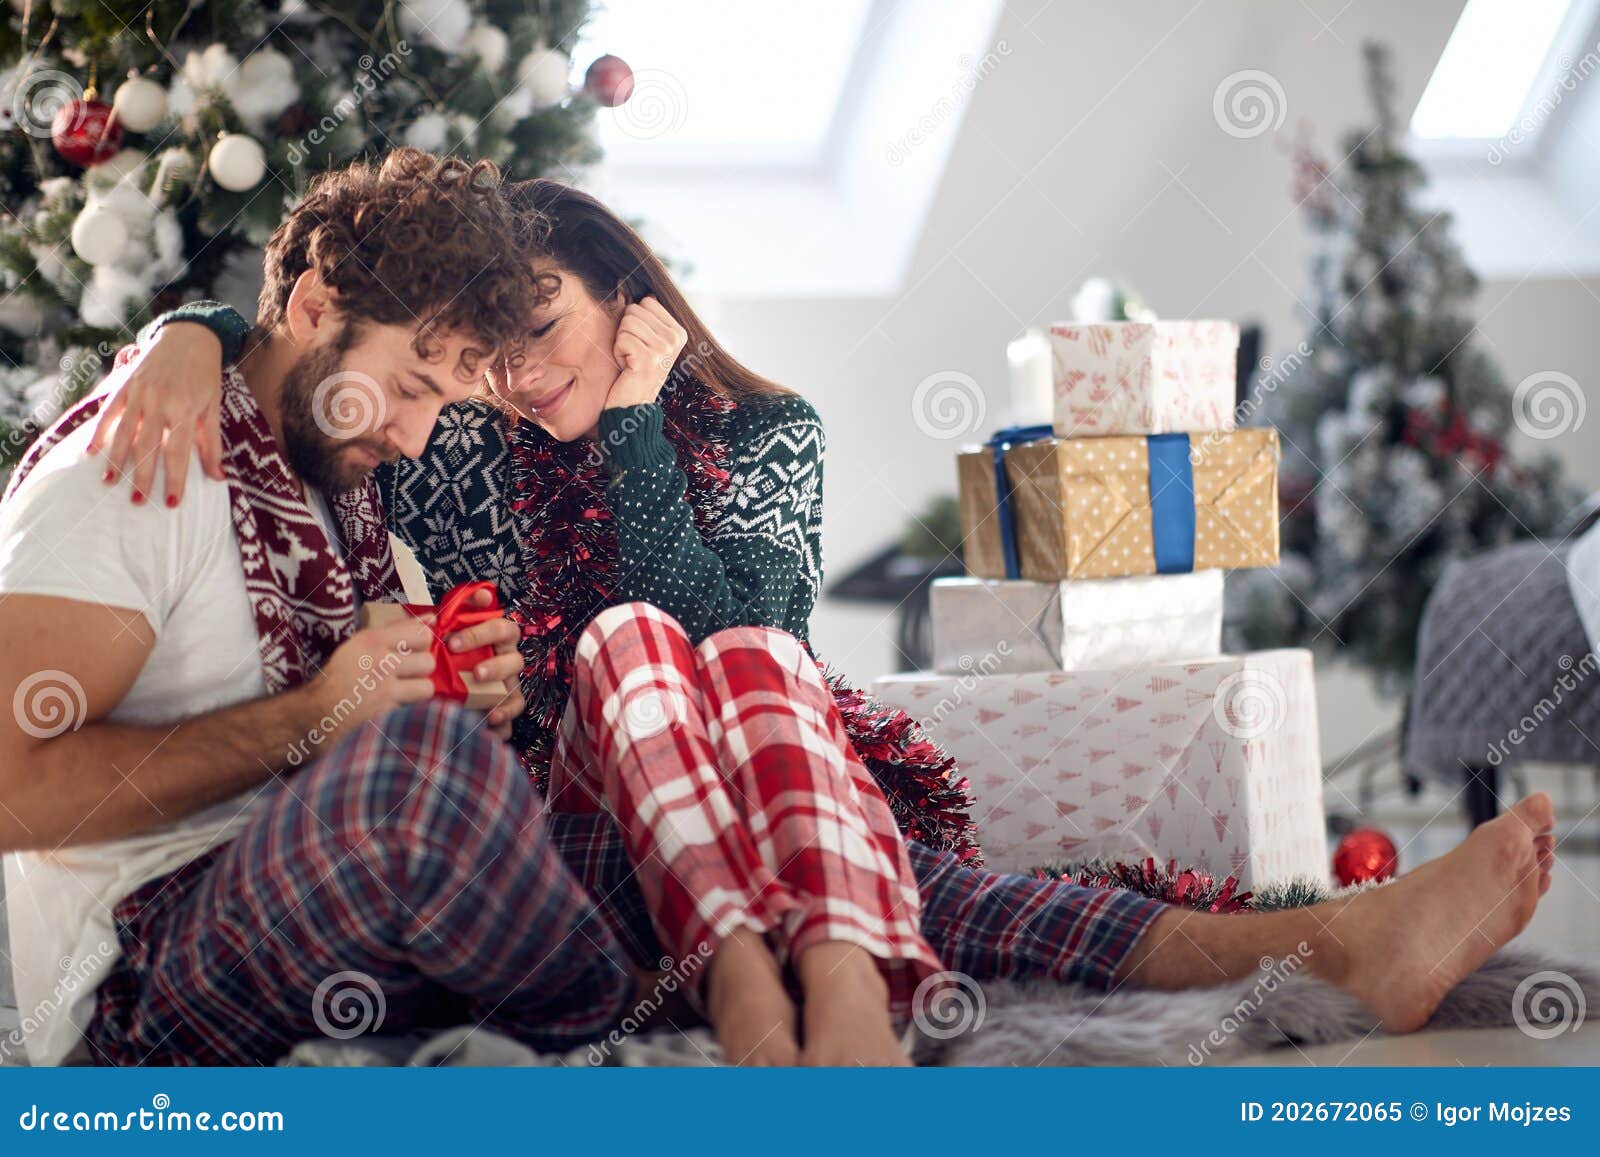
(374, 671)
(506, 665)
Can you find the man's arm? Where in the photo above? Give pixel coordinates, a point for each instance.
(67, 776)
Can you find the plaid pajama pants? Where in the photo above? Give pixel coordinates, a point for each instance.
(410, 871)
(739, 797)
(404, 881)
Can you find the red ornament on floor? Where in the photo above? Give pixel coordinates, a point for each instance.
(84, 131)
(1364, 854)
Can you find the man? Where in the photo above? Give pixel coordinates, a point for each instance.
(174, 895)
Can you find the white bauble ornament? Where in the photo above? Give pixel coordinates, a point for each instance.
(440, 24)
(99, 235)
(237, 162)
(429, 132)
(262, 88)
(139, 103)
(544, 73)
(489, 45)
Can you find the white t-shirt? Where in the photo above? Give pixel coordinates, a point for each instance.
(67, 534)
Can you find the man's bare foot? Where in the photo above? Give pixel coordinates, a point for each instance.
(846, 1008)
(750, 1011)
(1400, 948)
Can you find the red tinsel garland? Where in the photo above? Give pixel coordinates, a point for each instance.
(1187, 888)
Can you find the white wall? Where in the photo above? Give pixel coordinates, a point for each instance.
(1093, 149)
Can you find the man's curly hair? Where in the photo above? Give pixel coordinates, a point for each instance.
(418, 240)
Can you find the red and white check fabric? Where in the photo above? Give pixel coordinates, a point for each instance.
(740, 798)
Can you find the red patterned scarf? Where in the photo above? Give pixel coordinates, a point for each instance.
(301, 590)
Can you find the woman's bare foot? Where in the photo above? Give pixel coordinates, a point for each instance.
(846, 1008)
(750, 1011)
(1401, 947)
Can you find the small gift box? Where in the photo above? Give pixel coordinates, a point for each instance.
(1130, 377)
(452, 670)
(1000, 627)
(1214, 763)
(1045, 508)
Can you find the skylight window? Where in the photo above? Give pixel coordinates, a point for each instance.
(724, 82)
(1489, 67)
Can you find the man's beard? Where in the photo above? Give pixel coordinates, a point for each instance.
(320, 458)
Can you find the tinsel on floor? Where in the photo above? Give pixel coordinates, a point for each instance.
(1186, 887)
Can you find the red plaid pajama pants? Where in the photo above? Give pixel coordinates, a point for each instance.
(740, 799)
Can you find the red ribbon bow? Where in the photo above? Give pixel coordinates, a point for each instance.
(451, 615)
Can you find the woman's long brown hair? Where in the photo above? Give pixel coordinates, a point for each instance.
(584, 237)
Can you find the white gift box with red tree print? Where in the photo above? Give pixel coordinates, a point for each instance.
(1130, 377)
(1214, 763)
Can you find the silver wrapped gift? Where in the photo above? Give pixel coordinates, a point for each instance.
(993, 627)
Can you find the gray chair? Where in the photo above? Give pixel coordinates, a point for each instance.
(1504, 673)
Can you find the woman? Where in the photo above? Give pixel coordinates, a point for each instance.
(626, 458)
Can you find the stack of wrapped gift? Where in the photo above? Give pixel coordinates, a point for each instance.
(1078, 676)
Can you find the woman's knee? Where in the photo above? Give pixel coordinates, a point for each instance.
(764, 647)
(624, 621)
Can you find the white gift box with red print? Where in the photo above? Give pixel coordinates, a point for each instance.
(1214, 763)
(1130, 377)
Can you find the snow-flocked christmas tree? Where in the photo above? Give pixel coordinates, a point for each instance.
(147, 151)
(1393, 420)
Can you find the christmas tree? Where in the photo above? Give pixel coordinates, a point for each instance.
(148, 150)
(1393, 420)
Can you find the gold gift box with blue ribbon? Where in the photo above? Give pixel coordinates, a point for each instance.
(1044, 508)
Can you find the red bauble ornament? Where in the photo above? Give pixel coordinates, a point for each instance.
(1364, 854)
(84, 131)
(609, 80)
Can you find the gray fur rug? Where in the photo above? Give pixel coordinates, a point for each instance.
(1045, 1023)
